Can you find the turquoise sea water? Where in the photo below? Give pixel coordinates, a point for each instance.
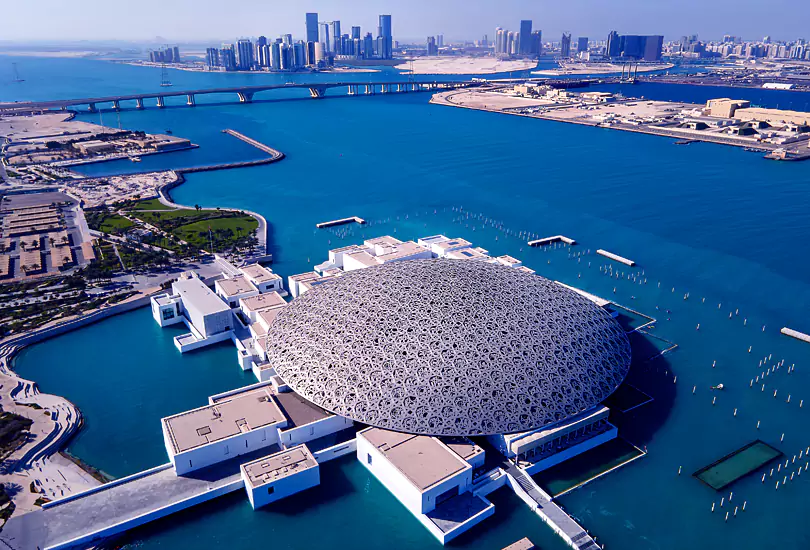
(712, 221)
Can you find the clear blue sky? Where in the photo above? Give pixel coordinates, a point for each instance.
(193, 20)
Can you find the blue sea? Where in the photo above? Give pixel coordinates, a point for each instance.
(719, 235)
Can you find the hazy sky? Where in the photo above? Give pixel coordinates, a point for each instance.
(192, 20)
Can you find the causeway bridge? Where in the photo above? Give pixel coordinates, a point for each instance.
(245, 94)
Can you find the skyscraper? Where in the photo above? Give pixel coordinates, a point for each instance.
(384, 33)
(525, 36)
(334, 35)
(323, 37)
(212, 57)
(440, 41)
(244, 54)
(582, 44)
(537, 43)
(500, 41)
(355, 33)
(312, 27)
(565, 45)
(614, 47)
(368, 46)
(275, 55)
(227, 57)
(432, 49)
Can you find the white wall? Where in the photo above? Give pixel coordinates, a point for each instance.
(389, 476)
(284, 487)
(571, 452)
(313, 430)
(219, 451)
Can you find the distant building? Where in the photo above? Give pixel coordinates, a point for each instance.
(312, 27)
(323, 36)
(614, 46)
(632, 46)
(582, 44)
(500, 41)
(334, 38)
(565, 45)
(536, 43)
(227, 57)
(385, 38)
(440, 41)
(432, 48)
(368, 46)
(244, 54)
(212, 57)
(525, 37)
(355, 33)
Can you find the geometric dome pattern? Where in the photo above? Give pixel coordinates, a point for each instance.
(448, 347)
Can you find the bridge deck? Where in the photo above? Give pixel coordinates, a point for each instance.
(246, 90)
(110, 511)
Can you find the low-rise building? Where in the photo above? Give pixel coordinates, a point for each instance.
(209, 319)
(430, 479)
(234, 289)
(280, 475)
(208, 435)
(262, 278)
(252, 305)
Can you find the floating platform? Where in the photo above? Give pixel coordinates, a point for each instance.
(552, 240)
(738, 464)
(342, 221)
(615, 257)
(796, 334)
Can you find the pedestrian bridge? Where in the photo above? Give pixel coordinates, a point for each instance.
(245, 94)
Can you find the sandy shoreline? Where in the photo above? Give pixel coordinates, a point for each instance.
(601, 68)
(465, 65)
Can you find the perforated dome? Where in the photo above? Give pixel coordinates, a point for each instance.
(448, 347)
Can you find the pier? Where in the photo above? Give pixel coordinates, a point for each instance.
(342, 221)
(275, 154)
(552, 240)
(615, 257)
(796, 334)
(245, 94)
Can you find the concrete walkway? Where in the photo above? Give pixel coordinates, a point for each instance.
(123, 504)
(564, 525)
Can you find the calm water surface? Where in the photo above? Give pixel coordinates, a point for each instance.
(707, 220)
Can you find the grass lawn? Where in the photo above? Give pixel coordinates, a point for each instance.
(150, 204)
(111, 223)
(226, 231)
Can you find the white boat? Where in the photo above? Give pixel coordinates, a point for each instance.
(135, 159)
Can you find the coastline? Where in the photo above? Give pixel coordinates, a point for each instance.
(683, 135)
(202, 69)
(46, 451)
(588, 69)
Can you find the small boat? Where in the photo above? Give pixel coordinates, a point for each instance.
(718, 387)
(135, 159)
(168, 132)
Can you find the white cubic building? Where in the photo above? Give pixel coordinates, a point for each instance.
(208, 318)
(262, 278)
(234, 289)
(430, 479)
(280, 475)
(235, 426)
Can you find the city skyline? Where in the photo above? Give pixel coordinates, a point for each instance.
(183, 21)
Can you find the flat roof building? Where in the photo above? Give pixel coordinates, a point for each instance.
(235, 288)
(279, 475)
(205, 436)
(262, 278)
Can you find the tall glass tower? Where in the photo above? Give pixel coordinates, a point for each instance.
(312, 27)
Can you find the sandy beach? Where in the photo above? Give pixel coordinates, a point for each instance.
(466, 65)
(601, 68)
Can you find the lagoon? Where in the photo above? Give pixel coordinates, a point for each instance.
(707, 220)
